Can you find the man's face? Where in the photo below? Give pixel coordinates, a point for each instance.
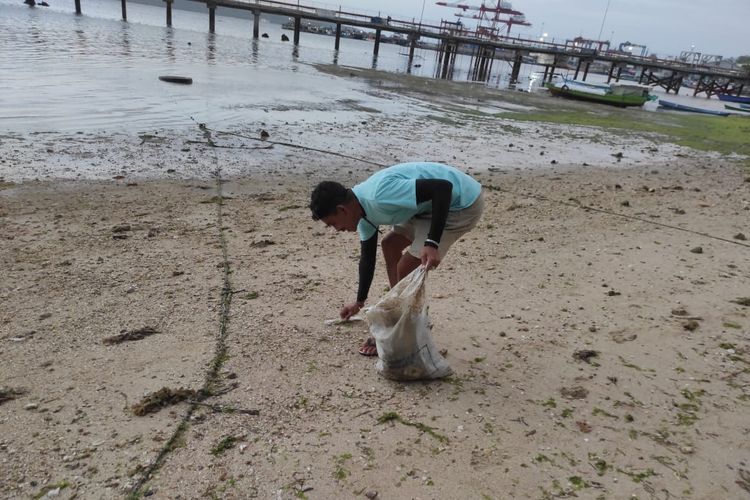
(342, 219)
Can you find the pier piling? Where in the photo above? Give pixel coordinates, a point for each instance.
(169, 12)
(643, 75)
(338, 36)
(482, 64)
(475, 58)
(446, 60)
(553, 68)
(516, 68)
(453, 60)
(256, 24)
(668, 83)
(297, 23)
(124, 10)
(440, 52)
(412, 45)
(676, 82)
(376, 49)
(78, 7)
(492, 63)
(211, 18)
(611, 70)
(699, 85)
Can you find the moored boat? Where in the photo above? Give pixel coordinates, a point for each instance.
(734, 98)
(740, 107)
(616, 88)
(690, 109)
(632, 89)
(580, 83)
(604, 94)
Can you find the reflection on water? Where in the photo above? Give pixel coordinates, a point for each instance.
(125, 40)
(96, 71)
(65, 72)
(254, 51)
(169, 44)
(210, 48)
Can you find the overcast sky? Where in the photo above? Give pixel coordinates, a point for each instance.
(666, 27)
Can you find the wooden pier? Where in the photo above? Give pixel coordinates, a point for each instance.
(451, 39)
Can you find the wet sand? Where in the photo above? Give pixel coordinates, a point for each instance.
(594, 319)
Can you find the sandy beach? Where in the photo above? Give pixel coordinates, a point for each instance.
(597, 320)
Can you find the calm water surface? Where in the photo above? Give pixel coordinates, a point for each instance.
(62, 72)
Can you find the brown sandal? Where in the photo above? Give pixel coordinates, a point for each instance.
(369, 348)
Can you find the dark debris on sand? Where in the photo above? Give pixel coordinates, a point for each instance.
(126, 336)
(163, 397)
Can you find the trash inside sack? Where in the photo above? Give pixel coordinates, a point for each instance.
(401, 328)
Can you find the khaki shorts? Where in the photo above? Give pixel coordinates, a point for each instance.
(457, 224)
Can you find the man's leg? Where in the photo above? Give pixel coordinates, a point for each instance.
(406, 264)
(393, 245)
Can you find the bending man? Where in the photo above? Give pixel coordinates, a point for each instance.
(428, 205)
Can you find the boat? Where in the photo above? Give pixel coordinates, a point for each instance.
(744, 109)
(580, 83)
(690, 109)
(615, 88)
(614, 95)
(734, 98)
(632, 89)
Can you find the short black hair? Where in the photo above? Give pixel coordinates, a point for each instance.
(326, 197)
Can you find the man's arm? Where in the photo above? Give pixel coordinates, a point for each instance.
(367, 258)
(439, 191)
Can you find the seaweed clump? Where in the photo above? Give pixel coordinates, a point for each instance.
(162, 398)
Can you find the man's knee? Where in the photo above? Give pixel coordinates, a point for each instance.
(394, 242)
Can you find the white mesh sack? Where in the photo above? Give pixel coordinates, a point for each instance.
(401, 328)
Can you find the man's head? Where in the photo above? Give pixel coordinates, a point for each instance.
(335, 205)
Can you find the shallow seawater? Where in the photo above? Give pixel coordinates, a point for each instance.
(62, 72)
(95, 72)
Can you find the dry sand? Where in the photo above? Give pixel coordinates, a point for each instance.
(595, 355)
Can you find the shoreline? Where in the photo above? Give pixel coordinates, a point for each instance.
(181, 154)
(470, 126)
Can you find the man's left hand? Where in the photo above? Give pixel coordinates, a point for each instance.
(430, 257)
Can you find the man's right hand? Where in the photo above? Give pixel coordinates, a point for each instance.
(350, 310)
